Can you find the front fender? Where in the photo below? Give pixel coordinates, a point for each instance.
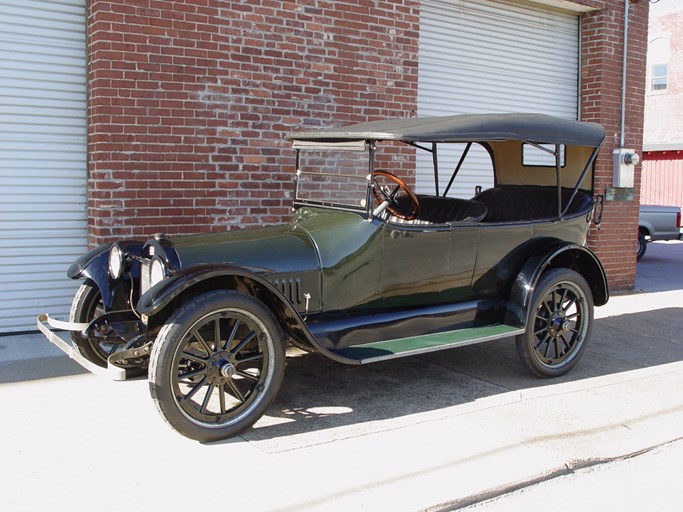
(157, 303)
(90, 260)
(555, 255)
(199, 279)
(94, 265)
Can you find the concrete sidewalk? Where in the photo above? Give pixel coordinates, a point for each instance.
(433, 432)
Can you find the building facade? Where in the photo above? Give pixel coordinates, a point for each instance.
(662, 176)
(188, 102)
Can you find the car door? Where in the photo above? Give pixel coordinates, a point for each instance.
(424, 265)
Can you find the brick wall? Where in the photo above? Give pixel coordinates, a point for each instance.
(601, 76)
(189, 102)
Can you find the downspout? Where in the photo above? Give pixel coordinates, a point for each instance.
(558, 175)
(435, 163)
(623, 76)
(579, 78)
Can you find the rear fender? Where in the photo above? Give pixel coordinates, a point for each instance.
(645, 227)
(555, 255)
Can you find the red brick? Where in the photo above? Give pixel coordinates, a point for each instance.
(188, 98)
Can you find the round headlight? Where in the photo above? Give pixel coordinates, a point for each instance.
(157, 271)
(115, 262)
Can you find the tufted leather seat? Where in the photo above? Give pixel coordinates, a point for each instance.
(515, 203)
(440, 210)
(448, 209)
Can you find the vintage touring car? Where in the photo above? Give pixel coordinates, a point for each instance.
(367, 270)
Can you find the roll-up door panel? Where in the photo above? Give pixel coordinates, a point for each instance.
(480, 56)
(43, 177)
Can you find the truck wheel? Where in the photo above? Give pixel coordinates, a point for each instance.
(641, 247)
(86, 306)
(216, 365)
(559, 324)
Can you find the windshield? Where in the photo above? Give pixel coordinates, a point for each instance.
(333, 178)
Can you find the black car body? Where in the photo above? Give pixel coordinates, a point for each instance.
(366, 270)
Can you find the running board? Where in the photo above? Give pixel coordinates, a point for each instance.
(403, 347)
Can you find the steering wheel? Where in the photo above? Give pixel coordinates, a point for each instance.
(387, 200)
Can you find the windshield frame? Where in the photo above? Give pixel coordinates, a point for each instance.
(369, 147)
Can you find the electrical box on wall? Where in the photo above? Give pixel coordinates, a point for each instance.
(624, 161)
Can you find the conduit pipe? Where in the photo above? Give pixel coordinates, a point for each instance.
(623, 76)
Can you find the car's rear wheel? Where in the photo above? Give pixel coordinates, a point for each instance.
(216, 365)
(560, 323)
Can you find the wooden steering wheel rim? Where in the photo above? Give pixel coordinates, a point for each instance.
(415, 204)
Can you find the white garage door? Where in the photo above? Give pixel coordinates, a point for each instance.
(43, 225)
(492, 56)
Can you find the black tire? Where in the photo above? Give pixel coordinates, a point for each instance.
(641, 247)
(216, 365)
(559, 325)
(86, 306)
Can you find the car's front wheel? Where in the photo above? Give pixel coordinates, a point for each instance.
(560, 323)
(86, 307)
(216, 365)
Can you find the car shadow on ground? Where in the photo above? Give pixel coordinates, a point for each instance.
(321, 400)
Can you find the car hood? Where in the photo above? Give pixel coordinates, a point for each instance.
(280, 249)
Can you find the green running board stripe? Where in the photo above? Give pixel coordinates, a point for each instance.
(402, 347)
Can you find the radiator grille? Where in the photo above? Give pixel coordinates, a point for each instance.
(144, 276)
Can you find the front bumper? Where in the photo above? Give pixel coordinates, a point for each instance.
(71, 350)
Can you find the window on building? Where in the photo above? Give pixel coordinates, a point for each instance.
(658, 53)
(659, 77)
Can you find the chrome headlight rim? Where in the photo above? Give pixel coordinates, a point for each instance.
(157, 271)
(116, 261)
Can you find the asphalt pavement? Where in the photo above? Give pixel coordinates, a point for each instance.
(436, 432)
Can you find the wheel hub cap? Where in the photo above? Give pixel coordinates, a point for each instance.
(221, 368)
(228, 370)
(558, 325)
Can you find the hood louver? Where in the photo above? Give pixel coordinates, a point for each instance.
(290, 288)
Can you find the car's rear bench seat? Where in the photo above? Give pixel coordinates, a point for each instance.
(515, 203)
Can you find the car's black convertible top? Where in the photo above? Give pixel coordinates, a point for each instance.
(537, 128)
